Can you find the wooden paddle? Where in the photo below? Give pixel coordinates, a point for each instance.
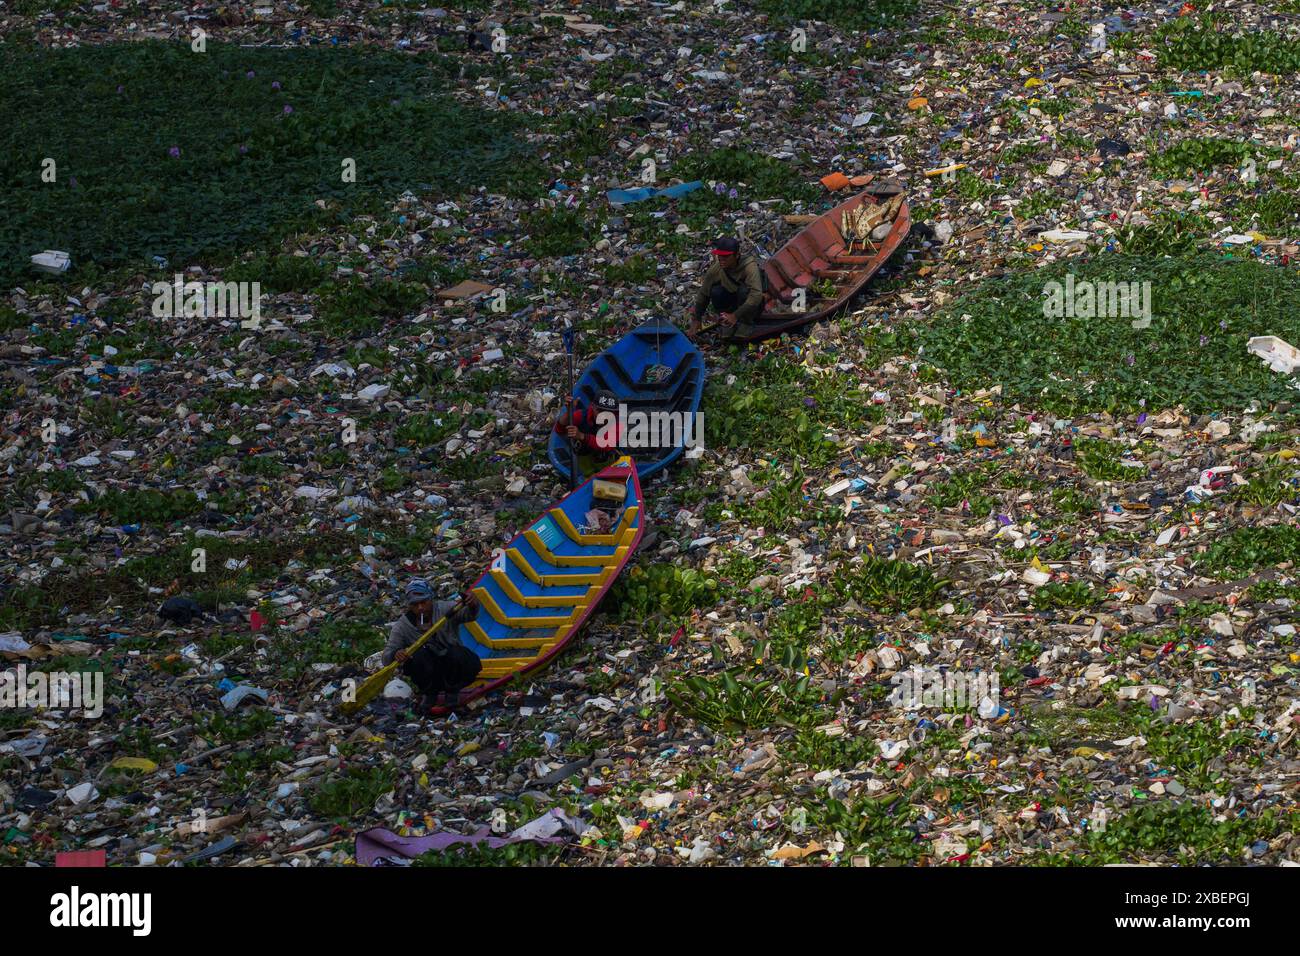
(568, 390)
(714, 326)
(371, 687)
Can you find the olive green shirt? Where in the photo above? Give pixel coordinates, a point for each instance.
(747, 276)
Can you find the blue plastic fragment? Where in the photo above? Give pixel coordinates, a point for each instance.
(621, 197)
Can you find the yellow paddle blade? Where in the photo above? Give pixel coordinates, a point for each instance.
(369, 689)
(372, 685)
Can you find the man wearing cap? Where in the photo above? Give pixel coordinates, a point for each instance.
(733, 286)
(442, 665)
(595, 430)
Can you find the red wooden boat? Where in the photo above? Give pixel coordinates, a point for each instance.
(828, 264)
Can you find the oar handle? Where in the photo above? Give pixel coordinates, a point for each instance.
(573, 451)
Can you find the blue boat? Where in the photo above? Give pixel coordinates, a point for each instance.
(542, 587)
(652, 369)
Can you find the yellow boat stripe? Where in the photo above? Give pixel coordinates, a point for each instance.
(476, 631)
(535, 600)
(625, 523)
(482, 637)
(487, 601)
(568, 560)
(603, 568)
(551, 580)
(614, 537)
(524, 566)
(561, 518)
(501, 666)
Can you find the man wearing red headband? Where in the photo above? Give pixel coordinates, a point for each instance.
(733, 286)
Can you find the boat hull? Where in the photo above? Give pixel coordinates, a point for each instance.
(819, 252)
(622, 369)
(543, 586)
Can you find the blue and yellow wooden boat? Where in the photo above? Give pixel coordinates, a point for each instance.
(653, 369)
(548, 580)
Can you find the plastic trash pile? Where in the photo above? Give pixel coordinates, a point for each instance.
(880, 620)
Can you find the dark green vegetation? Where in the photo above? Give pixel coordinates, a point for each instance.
(46, 603)
(1250, 549)
(749, 168)
(1187, 832)
(1103, 461)
(336, 641)
(876, 826)
(1070, 595)
(845, 14)
(1270, 484)
(355, 308)
(1167, 234)
(887, 585)
(967, 489)
(143, 504)
(154, 175)
(774, 688)
(1194, 353)
(776, 408)
(353, 794)
(1214, 43)
(733, 702)
(512, 854)
(556, 232)
(1273, 209)
(661, 592)
(1198, 155)
(741, 175)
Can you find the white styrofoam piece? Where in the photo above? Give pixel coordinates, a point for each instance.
(52, 261)
(1280, 355)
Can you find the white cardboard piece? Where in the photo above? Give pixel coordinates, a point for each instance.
(1280, 355)
(52, 261)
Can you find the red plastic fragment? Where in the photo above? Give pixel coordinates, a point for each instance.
(81, 858)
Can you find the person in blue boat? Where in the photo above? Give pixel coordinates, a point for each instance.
(442, 666)
(595, 431)
(733, 287)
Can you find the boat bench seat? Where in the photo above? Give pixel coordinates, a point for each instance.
(775, 279)
(787, 279)
(630, 383)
